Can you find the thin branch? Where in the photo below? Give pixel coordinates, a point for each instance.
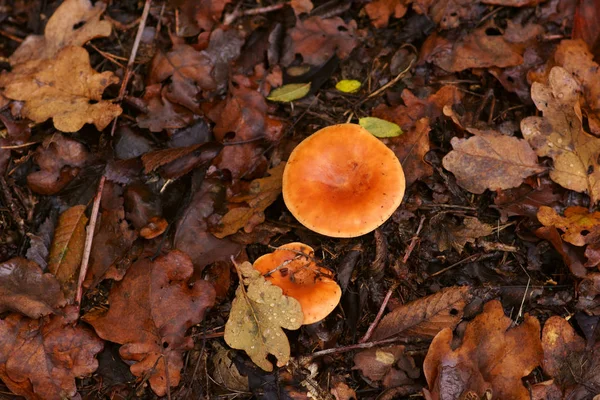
(379, 314)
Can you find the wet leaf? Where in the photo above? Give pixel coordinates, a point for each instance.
(289, 92)
(387, 364)
(26, 289)
(379, 127)
(67, 249)
(262, 193)
(425, 317)
(348, 85)
(66, 89)
(380, 11)
(491, 161)
(257, 315)
(457, 236)
(492, 355)
(559, 134)
(150, 312)
(61, 31)
(40, 359)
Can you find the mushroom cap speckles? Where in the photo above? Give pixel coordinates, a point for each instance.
(342, 181)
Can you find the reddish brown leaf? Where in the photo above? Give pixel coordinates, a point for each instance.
(513, 3)
(491, 161)
(526, 200)
(492, 355)
(570, 256)
(150, 311)
(425, 317)
(60, 160)
(586, 24)
(380, 11)
(26, 289)
(155, 227)
(206, 13)
(448, 13)
(318, 39)
(580, 227)
(67, 249)
(40, 359)
(387, 364)
(161, 113)
(178, 161)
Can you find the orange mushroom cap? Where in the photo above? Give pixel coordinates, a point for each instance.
(292, 268)
(342, 181)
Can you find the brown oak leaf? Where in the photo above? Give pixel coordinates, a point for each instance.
(380, 11)
(559, 134)
(492, 355)
(60, 31)
(318, 39)
(40, 359)
(490, 160)
(65, 88)
(26, 289)
(457, 236)
(150, 311)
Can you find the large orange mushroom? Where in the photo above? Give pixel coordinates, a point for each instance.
(342, 181)
(292, 268)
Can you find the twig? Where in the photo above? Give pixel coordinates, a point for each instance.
(375, 322)
(87, 248)
(130, 63)
(229, 18)
(413, 241)
(465, 260)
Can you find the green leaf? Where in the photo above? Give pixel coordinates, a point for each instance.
(291, 92)
(348, 85)
(380, 127)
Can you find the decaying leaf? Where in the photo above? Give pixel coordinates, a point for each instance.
(578, 224)
(60, 31)
(348, 85)
(427, 316)
(559, 134)
(150, 312)
(390, 365)
(380, 11)
(492, 356)
(67, 249)
(65, 88)
(40, 359)
(318, 39)
(257, 315)
(457, 236)
(225, 372)
(261, 194)
(290, 92)
(26, 289)
(491, 161)
(379, 127)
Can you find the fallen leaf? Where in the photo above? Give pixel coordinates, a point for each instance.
(341, 391)
(40, 359)
(197, 153)
(289, 92)
(318, 39)
(206, 13)
(380, 11)
(26, 289)
(348, 85)
(301, 6)
(586, 24)
(156, 226)
(61, 31)
(379, 127)
(261, 194)
(513, 3)
(580, 226)
(492, 355)
(526, 199)
(161, 113)
(491, 161)
(559, 134)
(387, 364)
(448, 13)
(425, 317)
(572, 258)
(257, 317)
(150, 311)
(457, 236)
(39, 243)
(65, 88)
(60, 160)
(225, 373)
(67, 249)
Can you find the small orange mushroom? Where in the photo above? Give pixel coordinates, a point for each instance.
(342, 181)
(292, 268)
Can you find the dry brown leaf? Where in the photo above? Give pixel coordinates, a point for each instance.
(513, 3)
(425, 317)
(261, 194)
(580, 227)
(318, 39)
(387, 364)
(491, 161)
(301, 6)
(559, 134)
(205, 13)
(150, 312)
(257, 317)
(380, 11)
(40, 359)
(60, 31)
(65, 88)
(493, 355)
(457, 236)
(161, 114)
(26, 289)
(67, 249)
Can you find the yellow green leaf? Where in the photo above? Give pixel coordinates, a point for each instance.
(348, 85)
(291, 92)
(380, 127)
